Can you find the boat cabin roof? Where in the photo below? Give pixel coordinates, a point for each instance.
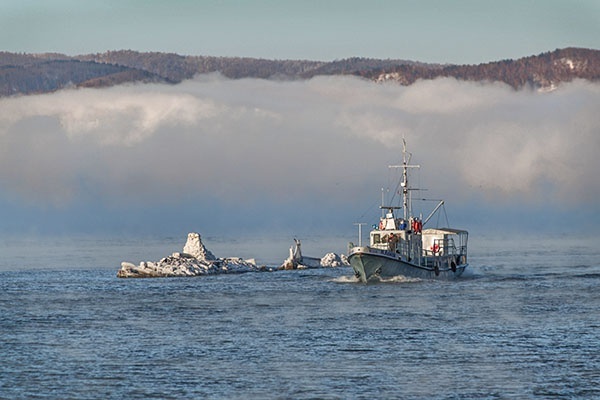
(444, 231)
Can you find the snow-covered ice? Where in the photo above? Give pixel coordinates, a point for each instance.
(297, 261)
(196, 259)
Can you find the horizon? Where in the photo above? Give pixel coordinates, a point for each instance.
(287, 59)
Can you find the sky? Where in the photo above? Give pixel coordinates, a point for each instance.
(250, 156)
(439, 31)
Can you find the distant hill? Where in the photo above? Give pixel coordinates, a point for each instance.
(27, 74)
(41, 73)
(542, 71)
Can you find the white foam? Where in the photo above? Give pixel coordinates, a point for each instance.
(345, 279)
(399, 279)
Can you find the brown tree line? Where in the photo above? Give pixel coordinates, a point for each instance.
(22, 73)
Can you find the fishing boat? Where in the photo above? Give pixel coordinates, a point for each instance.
(405, 246)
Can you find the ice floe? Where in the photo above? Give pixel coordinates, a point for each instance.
(297, 261)
(196, 259)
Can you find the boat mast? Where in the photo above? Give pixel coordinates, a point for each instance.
(360, 224)
(404, 183)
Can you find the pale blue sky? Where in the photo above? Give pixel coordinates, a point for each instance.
(461, 31)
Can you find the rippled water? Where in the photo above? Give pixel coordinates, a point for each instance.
(523, 323)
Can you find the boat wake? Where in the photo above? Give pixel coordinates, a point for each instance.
(393, 279)
(398, 279)
(472, 272)
(345, 279)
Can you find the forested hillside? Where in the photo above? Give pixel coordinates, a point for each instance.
(41, 73)
(541, 71)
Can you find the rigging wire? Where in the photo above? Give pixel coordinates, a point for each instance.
(397, 191)
(369, 210)
(439, 215)
(446, 215)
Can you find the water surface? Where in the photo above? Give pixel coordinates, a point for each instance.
(522, 323)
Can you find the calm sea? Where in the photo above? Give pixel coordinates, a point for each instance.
(523, 323)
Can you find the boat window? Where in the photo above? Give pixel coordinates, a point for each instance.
(376, 238)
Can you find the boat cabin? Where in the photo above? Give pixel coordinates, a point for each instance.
(420, 246)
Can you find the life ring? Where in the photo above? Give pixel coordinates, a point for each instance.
(435, 248)
(381, 225)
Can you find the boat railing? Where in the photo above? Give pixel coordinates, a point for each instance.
(448, 247)
(444, 251)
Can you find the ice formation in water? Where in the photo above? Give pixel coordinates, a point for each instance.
(194, 260)
(297, 261)
(198, 260)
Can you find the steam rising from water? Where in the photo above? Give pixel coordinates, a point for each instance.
(223, 144)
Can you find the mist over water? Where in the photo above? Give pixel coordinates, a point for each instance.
(215, 154)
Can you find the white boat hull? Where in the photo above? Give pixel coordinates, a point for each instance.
(370, 264)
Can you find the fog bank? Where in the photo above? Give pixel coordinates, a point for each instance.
(248, 152)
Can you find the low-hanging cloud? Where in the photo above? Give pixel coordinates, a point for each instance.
(328, 139)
